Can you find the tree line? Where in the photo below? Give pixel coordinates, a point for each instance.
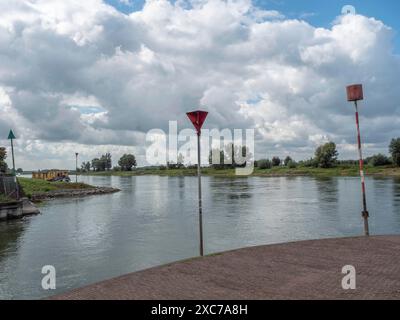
(126, 163)
(3, 156)
(326, 156)
(233, 156)
(3, 163)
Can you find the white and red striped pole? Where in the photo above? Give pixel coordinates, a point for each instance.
(355, 93)
(365, 213)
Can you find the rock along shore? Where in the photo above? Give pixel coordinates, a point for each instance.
(17, 209)
(66, 193)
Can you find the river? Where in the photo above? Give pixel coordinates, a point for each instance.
(153, 221)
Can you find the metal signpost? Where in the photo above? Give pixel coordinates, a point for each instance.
(355, 93)
(76, 166)
(198, 118)
(11, 137)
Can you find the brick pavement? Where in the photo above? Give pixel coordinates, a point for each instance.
(301, 270)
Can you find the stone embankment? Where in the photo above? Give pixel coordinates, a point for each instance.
(67, 193)
(17, 209)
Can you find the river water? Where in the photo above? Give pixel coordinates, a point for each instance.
(153, 221)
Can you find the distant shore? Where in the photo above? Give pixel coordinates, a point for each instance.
(339, 171)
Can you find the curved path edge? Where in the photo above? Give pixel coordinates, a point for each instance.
(299, 270)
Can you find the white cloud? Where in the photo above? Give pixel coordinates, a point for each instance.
(126, 2)
(80, 73)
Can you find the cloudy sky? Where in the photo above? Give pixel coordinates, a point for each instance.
(95, 76)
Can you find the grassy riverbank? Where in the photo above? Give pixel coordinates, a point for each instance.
(31, 187)
(339, 171)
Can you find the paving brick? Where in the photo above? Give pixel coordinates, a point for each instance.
(302, 270)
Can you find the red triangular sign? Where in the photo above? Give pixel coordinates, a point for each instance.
(197, 118)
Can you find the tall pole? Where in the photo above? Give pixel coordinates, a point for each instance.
(365, 213)
(14, 172)
(197, 118)
(11, 137)
(12, 154)
(76, 167)
(200, 200)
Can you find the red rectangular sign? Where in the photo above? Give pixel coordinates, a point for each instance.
(355, 92)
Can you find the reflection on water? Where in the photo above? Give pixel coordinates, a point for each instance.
(153, 220)
(396, 194)
(231, 190)
(10, 233)
(327, 190)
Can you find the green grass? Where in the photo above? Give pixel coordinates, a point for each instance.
(344, 171)
(33, 186)
(305, 171)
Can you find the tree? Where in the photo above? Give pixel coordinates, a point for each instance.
(308, 163)
(127, 161)
(379, 160)
(97, 164)
(287, 160)
(102, 164)
(3, 153)
(236, 156)
(243, 156)
(292, 164)
(85, 166)
(394, 149)
(264, 164)
(181, 160)
(232, 157)
(229, 156)
(179, 163)
(326, 155)
(276, 161)
(3, 156)
(19, 170)
(217, 159)
(106, 159)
